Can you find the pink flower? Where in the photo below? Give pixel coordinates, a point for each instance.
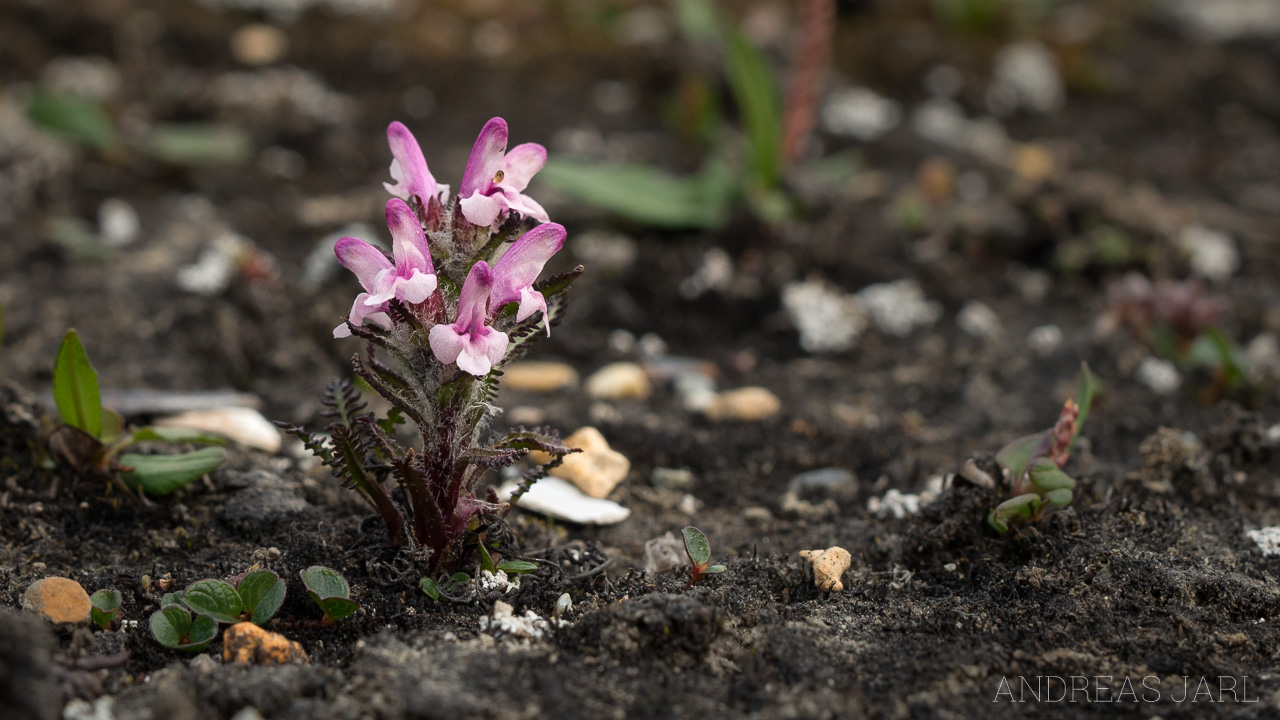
(411, 279)
(495, 179)
(469, 342)
(516, 271)
(409, 169)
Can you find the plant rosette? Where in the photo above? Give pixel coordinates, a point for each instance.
(329, 590)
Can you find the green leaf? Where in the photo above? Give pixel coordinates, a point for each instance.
(75, 387)
(335, 608)
(1060, 497)
(997, 523)
(429, 587)
(455, 580)
(175, 435)
(1023, 506)
(112, 425)
(699, 20)
(105, 605)
(173, 598)
(696, 546)
(162, 474)
(517, 566)
(261, 594)
(173, 628)
(486, 562)
(216, 599)
(755, 90)
(1046, 476)
(199, 144)
(73, 116)
(645, 195)
(1018, 454)
(714, 569)
(1087, 389)
(325, 582)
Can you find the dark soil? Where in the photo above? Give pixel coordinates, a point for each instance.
(1149, 573)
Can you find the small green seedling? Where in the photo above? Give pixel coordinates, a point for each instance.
(446, 587)
(328, 589)
(105, 605)
(92, 438)
(173, 627)
(699, 552)
(1034, 463)
(255, 598)
(510, 567)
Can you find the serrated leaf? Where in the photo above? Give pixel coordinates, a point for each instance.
(216, 599)
(696, 546)
(162, 474)
(75, 387)
(261, 594)
(325, 582)
(429, 587)
(517, 566)
(1046, 476)
(176, 435)
(105, 604)
(1018, 454)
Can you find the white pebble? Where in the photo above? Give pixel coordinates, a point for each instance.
(1159, 375)
(979, 320)
(1211, 252)
(1044, 340)
(860, 113)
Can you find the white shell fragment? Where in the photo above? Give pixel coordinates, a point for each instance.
(560, 499)
(243, 425)
(1267, 539)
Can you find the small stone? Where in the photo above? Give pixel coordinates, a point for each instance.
(117, 222)
(1212, 253)
(757, 515)
(980, 321)
(58, 600)
(697, 390)
(748, 404)
(826, 319)
(259, 44)
(247, 643)
(671, 478)
(537, 376)
(1029, 71)
(828, 566)
(1159, 375)
(564, 604)
(664, 553)
(834, 482)
(556, 498)
(860, 113)
(596, 470)
(1044, 340)
(526, 415)
(619, 381)
(898, 308)
(1267, 539)
(243, 425)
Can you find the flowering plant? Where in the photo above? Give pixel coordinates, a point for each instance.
(448, 316)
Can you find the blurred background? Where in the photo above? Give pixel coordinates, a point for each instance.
(173, 175)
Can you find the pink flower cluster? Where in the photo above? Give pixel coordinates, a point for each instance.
(492, 188)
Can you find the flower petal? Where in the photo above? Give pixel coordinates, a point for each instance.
(446, 342)
(417, 287)
(486, 158)
(521, 164)
(361, 258)
(483, 210)
(532, 301)
(472, 301)
(526, 206)
(524, 260)
(362, 311)
(412, 252)
(415, 179)
(482, 349)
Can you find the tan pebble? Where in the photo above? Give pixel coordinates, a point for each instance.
(619, 381)
(542, 377)
(596, 470)
(247, 643)
(1033, 162)
(526, 415)
(259, 44)
(58, 600)
(828, 566)
(748, 403)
